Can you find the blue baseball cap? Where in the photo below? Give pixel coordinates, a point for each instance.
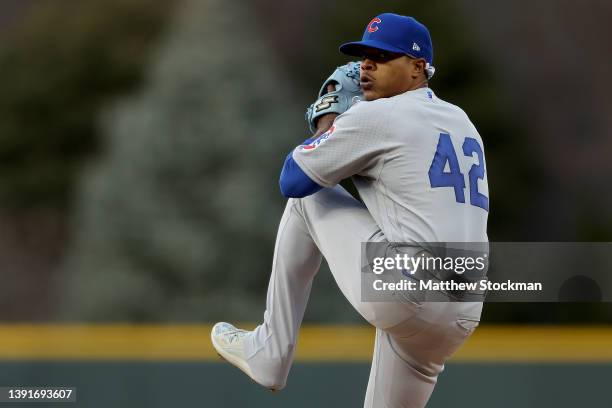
(394, 33)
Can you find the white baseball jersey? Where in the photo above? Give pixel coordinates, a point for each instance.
(417, 162)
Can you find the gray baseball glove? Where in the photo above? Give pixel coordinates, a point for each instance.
(346, 79)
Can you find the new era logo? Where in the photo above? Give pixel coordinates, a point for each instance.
(416, 47)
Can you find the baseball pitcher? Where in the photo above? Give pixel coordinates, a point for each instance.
(418, 164)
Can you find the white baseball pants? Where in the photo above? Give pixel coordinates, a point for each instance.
(413, 340)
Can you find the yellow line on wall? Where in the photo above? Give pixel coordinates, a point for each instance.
(317, 343)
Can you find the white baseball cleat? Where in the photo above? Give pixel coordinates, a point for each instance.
(229, 343)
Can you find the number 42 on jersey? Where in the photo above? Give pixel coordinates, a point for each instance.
(445, 153)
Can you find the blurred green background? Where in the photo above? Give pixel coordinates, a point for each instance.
(141, 141)
(140, 147)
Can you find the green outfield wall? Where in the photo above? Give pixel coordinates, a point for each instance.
(181, 384)
(174, 366)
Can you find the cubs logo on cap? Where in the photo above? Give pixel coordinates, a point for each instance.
(372, 27)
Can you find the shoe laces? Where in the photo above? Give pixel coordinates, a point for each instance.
(235, 335)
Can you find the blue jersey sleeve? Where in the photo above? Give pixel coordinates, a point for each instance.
(294, 183)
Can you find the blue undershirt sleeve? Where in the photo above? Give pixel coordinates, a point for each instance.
(294, 183)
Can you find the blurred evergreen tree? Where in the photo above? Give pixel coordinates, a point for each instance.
(177, 220)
